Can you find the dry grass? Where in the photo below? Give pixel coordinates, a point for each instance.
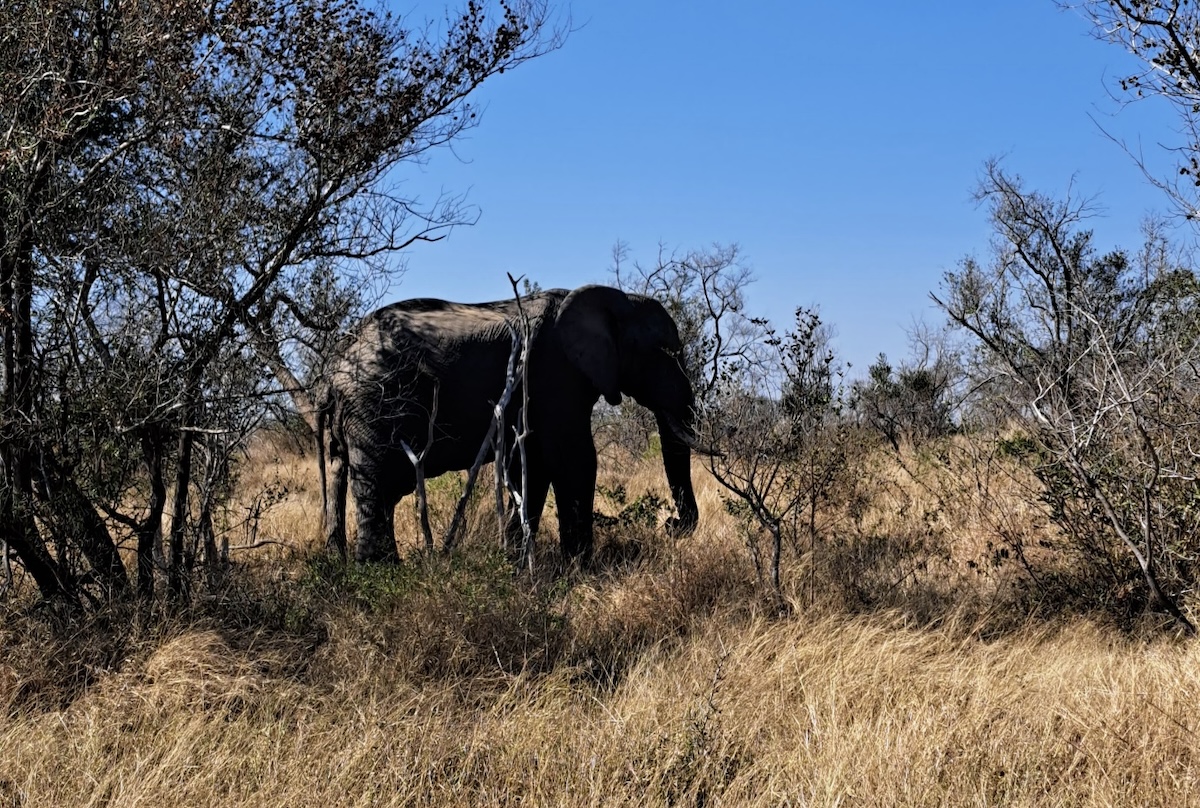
(661, 679)
(862, 711)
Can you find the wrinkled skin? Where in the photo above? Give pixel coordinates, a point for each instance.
(592, 342)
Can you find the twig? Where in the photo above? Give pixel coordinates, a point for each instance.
(485, 448)
(418, 461)
(522, 432)
(258, 544)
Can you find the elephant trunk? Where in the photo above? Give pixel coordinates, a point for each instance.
(677, 462)
(683, 433)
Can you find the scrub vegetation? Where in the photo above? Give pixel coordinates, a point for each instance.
(964, 577)
(915, 667)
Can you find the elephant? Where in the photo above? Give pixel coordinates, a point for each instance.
(424, 357)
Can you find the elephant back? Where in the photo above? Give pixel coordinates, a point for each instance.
(404, 355)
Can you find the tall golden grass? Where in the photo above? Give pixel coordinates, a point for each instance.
(663, 678)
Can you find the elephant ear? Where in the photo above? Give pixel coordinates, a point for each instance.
(587, 327)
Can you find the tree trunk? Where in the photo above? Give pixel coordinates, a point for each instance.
(18, 527)
(776, 555)
(16, 419)
(267, 350)
(150, 529)
(176, 580)
(208, 537)
(72, 516)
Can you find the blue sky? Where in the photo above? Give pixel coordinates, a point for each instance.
(837, 143)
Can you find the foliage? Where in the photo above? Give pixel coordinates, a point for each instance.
(643, 511)
(480, 578)
(911, 403)
(196, 197)
(1095, 356)
(779, 444)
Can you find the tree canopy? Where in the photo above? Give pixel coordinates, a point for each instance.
(194, 198)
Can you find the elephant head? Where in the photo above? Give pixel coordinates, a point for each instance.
(628, 344)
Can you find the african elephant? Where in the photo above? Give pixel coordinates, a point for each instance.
(591, 342)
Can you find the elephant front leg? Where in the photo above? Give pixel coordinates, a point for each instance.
(376, 525)
(335, 505)
(538, 488)
(575, 493)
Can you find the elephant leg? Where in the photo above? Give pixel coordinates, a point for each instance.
(575, 493)
(376, 523)
(335, 504)
(538, 488)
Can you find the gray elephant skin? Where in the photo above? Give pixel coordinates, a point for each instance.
(591, 342)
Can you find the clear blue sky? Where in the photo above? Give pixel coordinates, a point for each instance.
(837, 143)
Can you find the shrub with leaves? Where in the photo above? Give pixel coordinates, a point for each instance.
(1095, 358)
(778, 439)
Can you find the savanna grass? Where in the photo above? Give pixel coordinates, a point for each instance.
(900, 675)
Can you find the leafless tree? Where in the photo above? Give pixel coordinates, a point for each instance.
(495, 444)
(519, 490)
(418, 461)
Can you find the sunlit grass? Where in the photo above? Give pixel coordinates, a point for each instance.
(860, 711)
(901, 676)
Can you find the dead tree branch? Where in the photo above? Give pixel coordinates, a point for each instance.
(418, 461)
